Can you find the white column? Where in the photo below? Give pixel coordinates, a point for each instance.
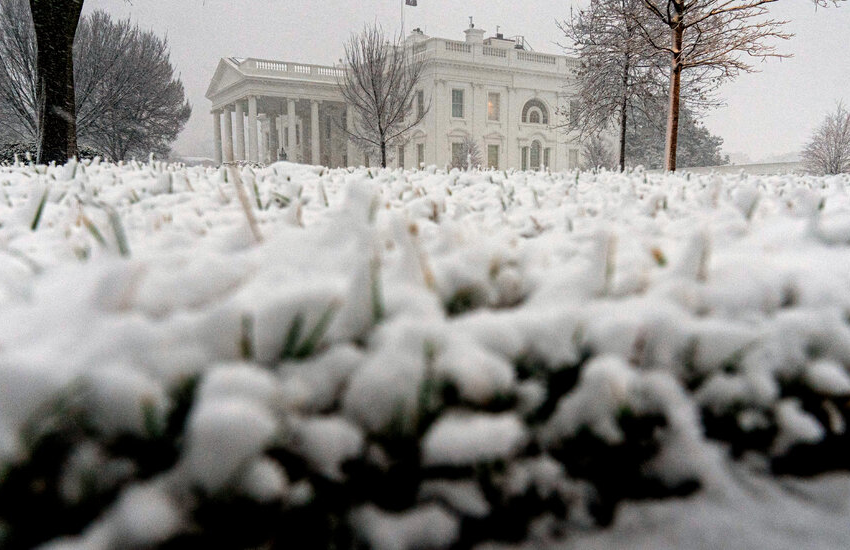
(240, 130)
(442, 110)
(274, 146)
(290, 115)
(217, 136)
(253, 146)
(264, 141)
(315, 136)
(350, 149)
(228, 136)
(513, 154)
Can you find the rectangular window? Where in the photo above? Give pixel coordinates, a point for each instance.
(420, 104)
(457, 103)
(286, 138)
(401, 156)
(345, 159)
(492, 156)
(297, 134)
(493, 106)
(420, 155)
(546, 157)
(328, 128)
(524, 155)
(573, 158)
(457, 155)
(574, 108)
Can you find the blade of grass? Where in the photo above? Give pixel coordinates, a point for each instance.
(314, 337)
(292, 336)
(92, 228)
(246, 205)
(246, 347)
(118, 229)
(37, 218)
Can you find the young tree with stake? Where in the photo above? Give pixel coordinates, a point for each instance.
(712, 38)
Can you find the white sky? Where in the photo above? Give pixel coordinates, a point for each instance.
(767, 113)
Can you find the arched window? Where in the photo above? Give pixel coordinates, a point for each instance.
(535, 112)
(534, 156)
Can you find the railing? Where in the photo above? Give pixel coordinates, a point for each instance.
(489, 51)
(461, 47)
(537, 58)
(271, 66)
(328, 71)
(299, 69)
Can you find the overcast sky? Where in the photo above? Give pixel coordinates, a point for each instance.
(768, 113)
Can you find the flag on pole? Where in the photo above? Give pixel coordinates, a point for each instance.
(410, 2)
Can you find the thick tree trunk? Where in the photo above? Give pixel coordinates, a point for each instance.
(383, 154)
(675, 88)
(55, 24)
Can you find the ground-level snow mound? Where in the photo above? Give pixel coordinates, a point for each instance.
(344, 358)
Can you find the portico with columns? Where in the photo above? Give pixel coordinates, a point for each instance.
(265, 111)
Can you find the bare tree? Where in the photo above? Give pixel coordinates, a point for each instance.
(380, 84)
(127, 100)
(616, 68)
(596, 153)
(828, 150)
(467, 155)
(711, 37)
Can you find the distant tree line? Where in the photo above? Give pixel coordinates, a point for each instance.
(127, 100)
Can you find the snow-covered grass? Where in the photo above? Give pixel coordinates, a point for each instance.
(192, 356)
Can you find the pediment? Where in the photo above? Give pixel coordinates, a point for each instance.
(226, 74)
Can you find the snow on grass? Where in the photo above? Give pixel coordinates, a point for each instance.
(549, 348)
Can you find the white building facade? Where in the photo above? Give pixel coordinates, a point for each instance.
(492, 90)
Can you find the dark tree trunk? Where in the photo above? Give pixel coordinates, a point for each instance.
(55, 24)
(624, 116)
(383, 154)
(675, 88)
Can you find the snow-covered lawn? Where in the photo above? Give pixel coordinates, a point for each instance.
(422, 359)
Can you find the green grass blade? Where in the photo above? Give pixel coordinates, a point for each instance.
(315, 335)
(292, 337)
(40, 210)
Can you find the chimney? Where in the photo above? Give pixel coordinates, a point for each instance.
(473, 35)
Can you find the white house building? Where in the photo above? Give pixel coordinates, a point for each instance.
(494, 90)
